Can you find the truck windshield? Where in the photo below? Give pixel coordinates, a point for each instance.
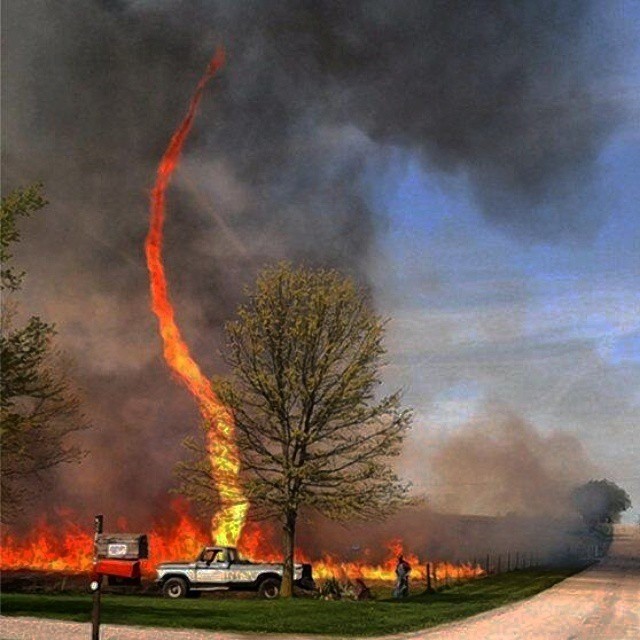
(213, 555)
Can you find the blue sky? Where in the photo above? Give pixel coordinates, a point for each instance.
(550, 329)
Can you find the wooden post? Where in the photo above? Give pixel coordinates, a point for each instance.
(98, 522)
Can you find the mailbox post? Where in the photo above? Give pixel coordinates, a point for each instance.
(96, 581)
(116, 556)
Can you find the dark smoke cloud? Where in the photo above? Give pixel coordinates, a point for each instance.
(504, 92)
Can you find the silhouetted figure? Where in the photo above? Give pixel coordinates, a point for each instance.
(403, 568)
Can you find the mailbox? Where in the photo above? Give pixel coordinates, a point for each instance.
(119, 572)
(118, 555)
(118, 568)
(122, 546)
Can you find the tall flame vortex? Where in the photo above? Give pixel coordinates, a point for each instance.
(228, 523)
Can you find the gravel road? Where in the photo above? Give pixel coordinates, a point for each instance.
(601, 603)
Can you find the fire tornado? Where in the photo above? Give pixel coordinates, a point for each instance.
(228, 522)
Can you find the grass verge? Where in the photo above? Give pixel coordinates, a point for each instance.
(299, 615)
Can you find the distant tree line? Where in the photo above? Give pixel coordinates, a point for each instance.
(600, 501)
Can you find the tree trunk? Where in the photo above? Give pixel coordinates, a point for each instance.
(289, 531)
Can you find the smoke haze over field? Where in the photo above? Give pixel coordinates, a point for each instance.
(511, 481)
(497, 117)
(498, 464)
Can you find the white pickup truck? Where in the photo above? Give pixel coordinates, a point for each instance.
(223, 569)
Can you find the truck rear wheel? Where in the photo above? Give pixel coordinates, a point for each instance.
(269, 589)
(175, 588)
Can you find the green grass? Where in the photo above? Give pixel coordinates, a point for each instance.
(301, 615)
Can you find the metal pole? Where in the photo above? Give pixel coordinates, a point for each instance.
(98, 522)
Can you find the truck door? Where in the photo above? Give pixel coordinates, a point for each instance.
(212, 567)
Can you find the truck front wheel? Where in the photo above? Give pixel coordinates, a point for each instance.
(269, 589)
(175, 588)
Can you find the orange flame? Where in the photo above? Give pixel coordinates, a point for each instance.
(69, 549)
(227, 524)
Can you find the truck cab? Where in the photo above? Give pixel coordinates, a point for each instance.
(224, 569)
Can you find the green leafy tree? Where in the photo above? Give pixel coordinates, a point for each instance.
(600, 501)
(306, 354)
(39, 407)
(19, 203)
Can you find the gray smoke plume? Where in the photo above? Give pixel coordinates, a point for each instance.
(499, 464)
(434, 536)
(497, 484)
(507, 94)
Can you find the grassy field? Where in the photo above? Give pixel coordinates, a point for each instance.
(301, 615)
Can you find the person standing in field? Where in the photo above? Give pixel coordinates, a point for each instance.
(403, 568)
